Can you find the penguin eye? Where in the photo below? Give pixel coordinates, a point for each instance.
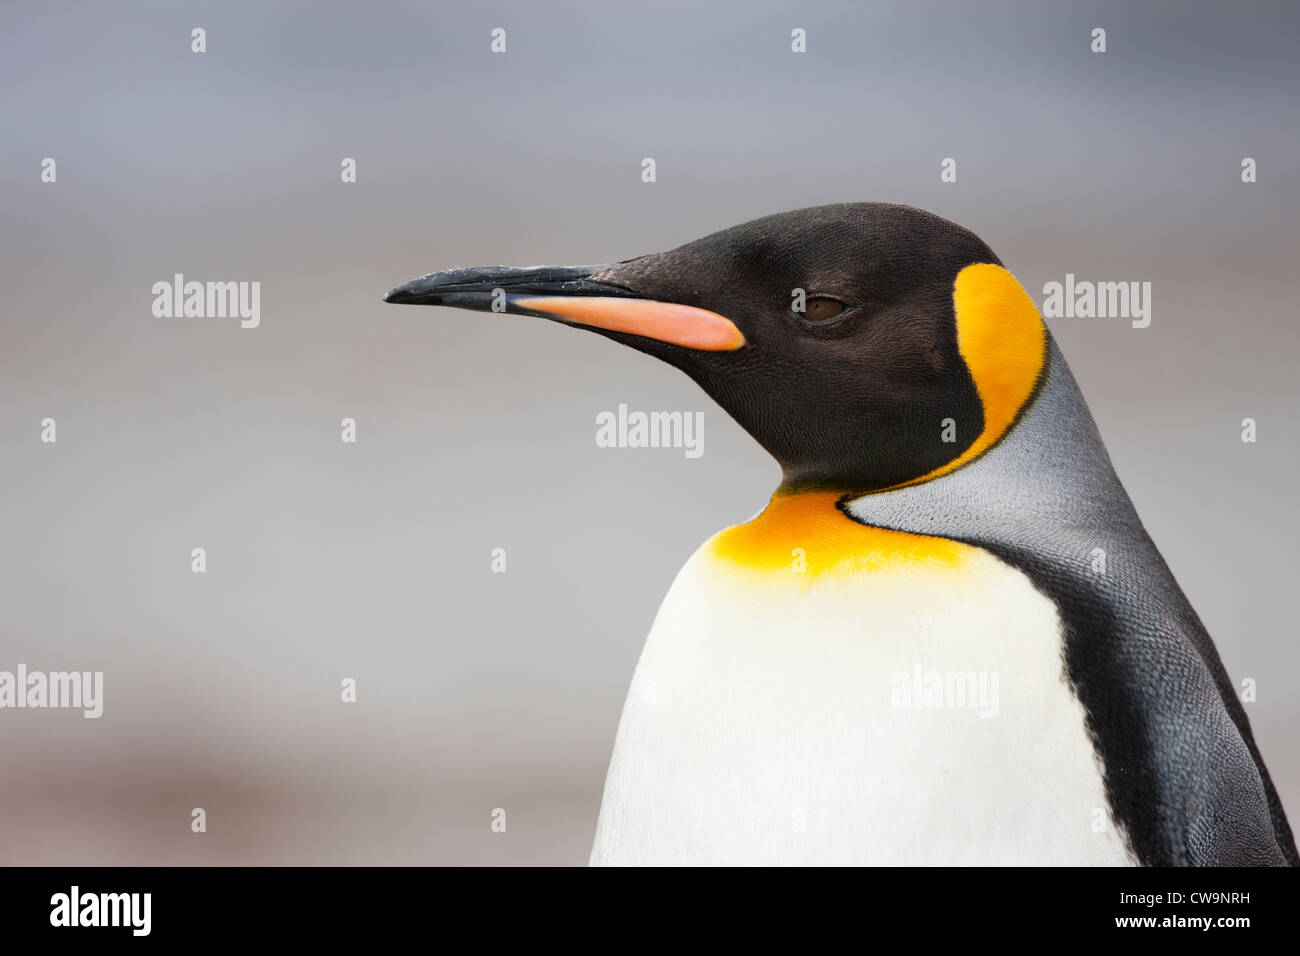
(822, 309)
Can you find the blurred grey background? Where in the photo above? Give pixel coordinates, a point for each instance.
(325, 560)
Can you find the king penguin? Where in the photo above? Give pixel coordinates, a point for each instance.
(913, 655)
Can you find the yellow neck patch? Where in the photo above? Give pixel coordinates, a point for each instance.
(806, 535)
(1003, 341)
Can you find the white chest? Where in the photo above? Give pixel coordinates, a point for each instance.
(909, 715)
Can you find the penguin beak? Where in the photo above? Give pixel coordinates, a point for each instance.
(570, 295)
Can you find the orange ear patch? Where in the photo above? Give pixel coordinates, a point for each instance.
(1003, 341)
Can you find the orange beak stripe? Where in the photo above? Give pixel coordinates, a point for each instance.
(682, 325)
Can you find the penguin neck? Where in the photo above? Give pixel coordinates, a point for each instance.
(1048, 473)
(1030, 443)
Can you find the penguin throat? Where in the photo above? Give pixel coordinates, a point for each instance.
(804, 535)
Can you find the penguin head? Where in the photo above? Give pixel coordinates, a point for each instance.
(864, 345)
